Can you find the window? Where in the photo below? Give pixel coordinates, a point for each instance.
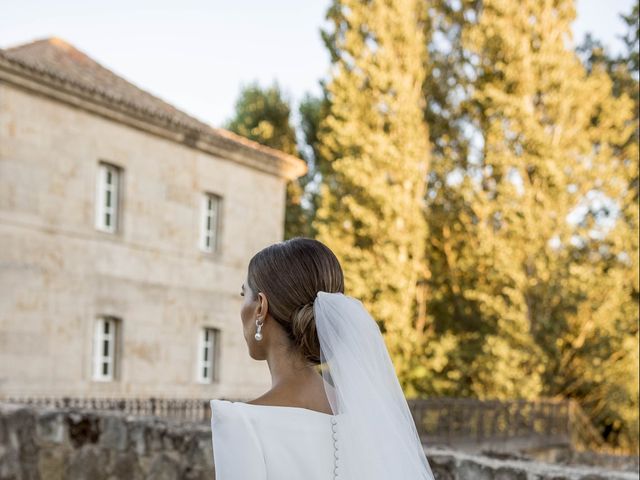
(104, 349)
(107, 193)
(208, 355)
(209, 225)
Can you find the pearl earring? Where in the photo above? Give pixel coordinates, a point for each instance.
(258, 334)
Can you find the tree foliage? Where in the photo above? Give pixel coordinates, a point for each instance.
(376, 148)
(532, 211)
(264, 115)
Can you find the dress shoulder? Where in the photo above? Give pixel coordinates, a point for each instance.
(237, 453)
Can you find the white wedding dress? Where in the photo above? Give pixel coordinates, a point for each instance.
(371, 435)
(264, 442)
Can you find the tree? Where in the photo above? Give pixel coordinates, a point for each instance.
(263, 115)
(313, 111)
(616, 403)
(376, 148)
(544, 196)
(456, 327)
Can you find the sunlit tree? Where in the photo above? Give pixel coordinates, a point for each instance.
(532, 218)
(371, 211)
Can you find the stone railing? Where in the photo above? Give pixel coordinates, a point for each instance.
(510, 425)
(188, 409)
(468, 424)
(49, 443)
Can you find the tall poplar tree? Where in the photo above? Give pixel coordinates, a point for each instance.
(376, 144)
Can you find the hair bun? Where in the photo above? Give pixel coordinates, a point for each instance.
(303, 325)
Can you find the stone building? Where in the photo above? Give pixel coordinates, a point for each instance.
(126, 227)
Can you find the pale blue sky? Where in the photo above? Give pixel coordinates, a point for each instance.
(195, 54)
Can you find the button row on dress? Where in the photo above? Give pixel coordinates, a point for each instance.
(335, 448)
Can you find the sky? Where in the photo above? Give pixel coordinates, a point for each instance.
(196, 54)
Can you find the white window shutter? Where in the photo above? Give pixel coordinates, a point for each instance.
(203, 222)
(115, 185)
(100, 196)
(97, 344)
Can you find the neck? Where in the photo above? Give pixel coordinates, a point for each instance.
(288, 368)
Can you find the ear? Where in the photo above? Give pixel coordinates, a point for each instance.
(263, 305)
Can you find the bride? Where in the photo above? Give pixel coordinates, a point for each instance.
(335, 409)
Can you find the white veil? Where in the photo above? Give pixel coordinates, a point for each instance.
(376, 433)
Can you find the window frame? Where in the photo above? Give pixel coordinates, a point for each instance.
(114, 188)
(98, 358)
(210, 229)
(208, 341)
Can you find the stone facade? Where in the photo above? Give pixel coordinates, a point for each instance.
(58, 273)
(48, 444)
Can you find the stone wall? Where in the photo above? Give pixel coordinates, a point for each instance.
(65, 444)
(48, 444)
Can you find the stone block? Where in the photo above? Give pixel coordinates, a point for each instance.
(470, 470)
(114, 433)
(164, 467)
(51, 428)
(53, 463)
(86, 464)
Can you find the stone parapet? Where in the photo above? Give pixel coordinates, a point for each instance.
(46, 443)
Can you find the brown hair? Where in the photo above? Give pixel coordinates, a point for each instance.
(290, 274)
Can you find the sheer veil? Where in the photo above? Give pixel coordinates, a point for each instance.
(376, 434)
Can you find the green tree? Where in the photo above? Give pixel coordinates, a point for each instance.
(312, 112)
(544, 196)
(264, 115)
(376, 147)
(616, 406)
(455, 325)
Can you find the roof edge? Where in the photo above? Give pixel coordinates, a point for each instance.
(239, 150)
